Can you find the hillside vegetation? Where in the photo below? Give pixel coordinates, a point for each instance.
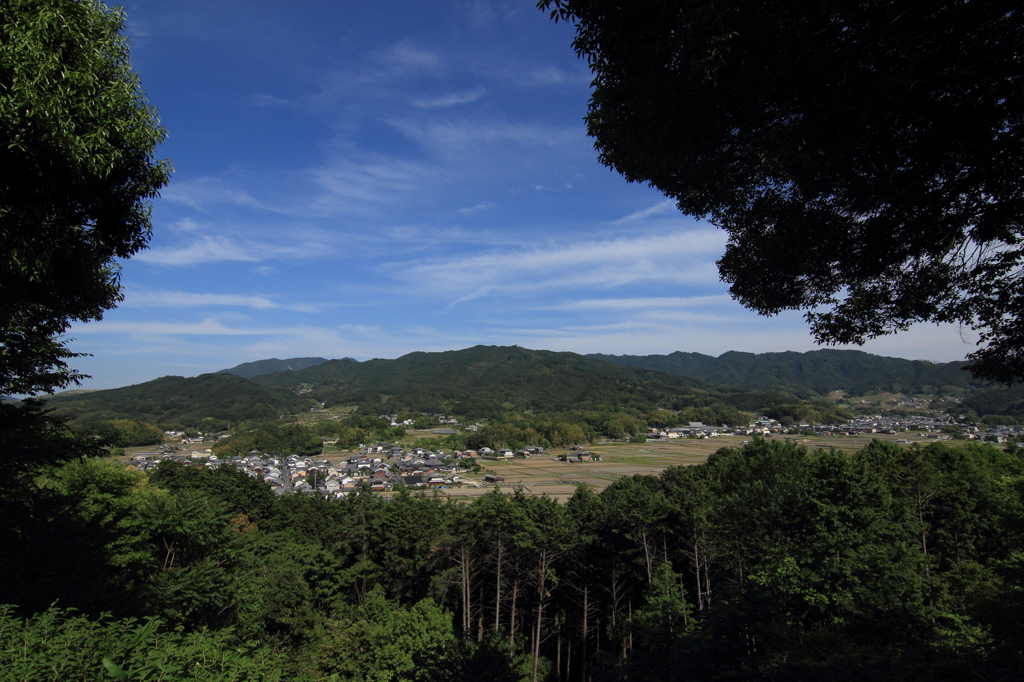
(491, 381)
(769, 563)
(181, 401)
(502, 382)
(816, 373)
(254, 369)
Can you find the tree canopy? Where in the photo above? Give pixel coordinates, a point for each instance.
(864, 156)
(769, 562)
(77, 170)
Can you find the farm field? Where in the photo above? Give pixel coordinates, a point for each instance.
(548, 476)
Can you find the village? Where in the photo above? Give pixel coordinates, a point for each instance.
(386, 467)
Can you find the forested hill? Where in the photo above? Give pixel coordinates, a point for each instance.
(814, 373)
(255, 369)
(182, 401)
(483, 382)
(487, 381)
(480, 380)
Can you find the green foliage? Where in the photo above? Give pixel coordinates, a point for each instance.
(232, 488)
(997, 401)
(77, 139)
(272, 439)
(487, 382)
(181, 402)
(815, 373)
(62, 646)
(71, 534)
(124, 433)
(385, 642)
(253, 369)
(767, 562)
(31, 436)
(832, 141)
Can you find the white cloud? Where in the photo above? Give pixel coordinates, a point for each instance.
(294, 242)
(184, 299)
(643, 303)
(547, 75)
(263, 99)
(203, 193)
(365, 185)
(659, 208)
(184, 225)
(678, 258)
(408, 56)
(207, 249)
(473, 209)
(207, 327)
(451, 100)
(447, 138)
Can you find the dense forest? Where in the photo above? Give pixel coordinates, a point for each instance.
(815, 373)
(255, 369)
(769, 562)
(180, 402)
(498, 384)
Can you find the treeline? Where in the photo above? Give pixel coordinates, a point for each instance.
(769, 562)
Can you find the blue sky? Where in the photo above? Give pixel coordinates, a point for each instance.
(368, 179)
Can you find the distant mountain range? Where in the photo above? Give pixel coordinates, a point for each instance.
(489, 381)
(816, 373)
(255, 369)
(480, 380)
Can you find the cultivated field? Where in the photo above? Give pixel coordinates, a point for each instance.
(547, 476)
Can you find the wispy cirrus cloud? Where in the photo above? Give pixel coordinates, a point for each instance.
(660, 208)
(185, 299)
(206, 249)
(469, 210)
(447, 137)
(378, 75)
(450, 100)
(263, 99)
(365, 184)
(225, 248)
(547, 75)
(677, 258)
(643, 303)
(408, 56)
(203, 193)
(211, 326)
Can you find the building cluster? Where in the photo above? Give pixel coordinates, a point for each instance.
(383, 467)
(938, 427)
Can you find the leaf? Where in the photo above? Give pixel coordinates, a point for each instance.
(115, 670)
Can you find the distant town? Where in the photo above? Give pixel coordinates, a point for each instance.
(385, 467)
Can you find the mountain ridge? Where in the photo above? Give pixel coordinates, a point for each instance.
(811, 374)
(490, 381)
(256, 368)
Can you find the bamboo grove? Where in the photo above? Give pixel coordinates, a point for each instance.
(770, 562)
